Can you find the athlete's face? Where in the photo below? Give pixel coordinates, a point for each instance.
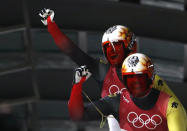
(114, 52)
(137, 84)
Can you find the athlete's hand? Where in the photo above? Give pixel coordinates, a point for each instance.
(80, 73)
(45, 14)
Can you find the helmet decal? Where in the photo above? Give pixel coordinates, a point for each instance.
(111, 29)
(138, 63)
(133, 61)
(123, 33)
(115, 33)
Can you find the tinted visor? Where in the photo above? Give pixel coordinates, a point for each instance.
(137, 84)
(113, 44)
(114, 52)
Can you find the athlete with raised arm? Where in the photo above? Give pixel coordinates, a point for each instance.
(139, 107)
(117, 43)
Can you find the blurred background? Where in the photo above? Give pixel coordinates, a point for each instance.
(36, 77)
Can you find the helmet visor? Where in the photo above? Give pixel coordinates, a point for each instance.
(114, 52)
(137, 84)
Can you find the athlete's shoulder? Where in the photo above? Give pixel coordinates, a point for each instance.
(159, 82)
(112, 95)
(103, 61)
(161, 85)
(112, 98)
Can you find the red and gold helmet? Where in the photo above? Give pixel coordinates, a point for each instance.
(117, 43)
(138, 74)
(138, 63)
(120, 33)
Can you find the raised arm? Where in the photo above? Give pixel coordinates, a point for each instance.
(76, 108)
(75, 104)
(97, 68)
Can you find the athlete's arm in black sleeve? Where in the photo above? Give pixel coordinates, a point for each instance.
(108, 106)
(97, 69)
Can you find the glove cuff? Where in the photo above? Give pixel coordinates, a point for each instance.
(83, 79)
(49, 20)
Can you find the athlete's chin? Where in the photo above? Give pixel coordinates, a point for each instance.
(115, 62)
(137, 93)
